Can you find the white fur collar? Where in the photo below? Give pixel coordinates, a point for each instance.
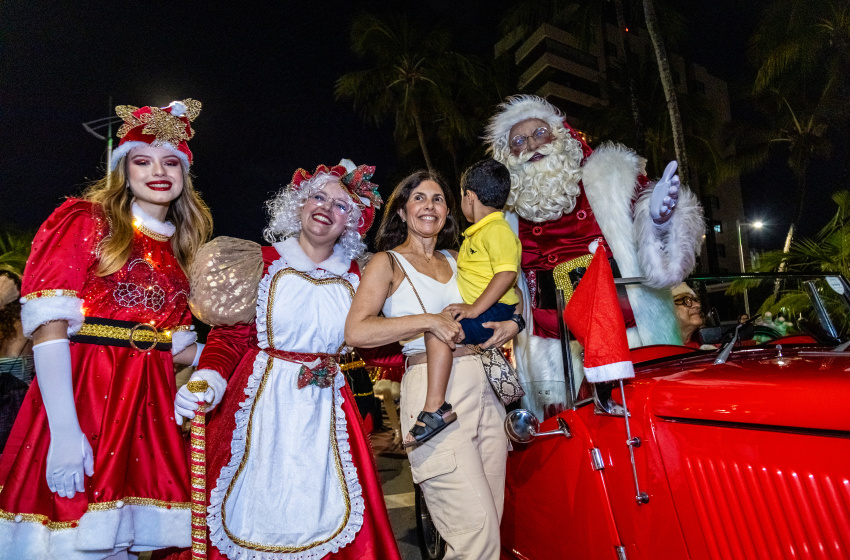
(162, 228)
(295, 257)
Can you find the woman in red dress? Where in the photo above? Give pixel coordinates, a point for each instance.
(289, 473)
(95, 466)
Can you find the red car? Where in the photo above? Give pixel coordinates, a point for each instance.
(739, 450)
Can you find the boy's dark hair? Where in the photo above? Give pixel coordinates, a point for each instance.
(490, 181)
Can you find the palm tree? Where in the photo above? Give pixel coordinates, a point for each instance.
(802, 55)
(669, 87)
(827, 252)
(796, 129)
(413, 78)
(14, 250)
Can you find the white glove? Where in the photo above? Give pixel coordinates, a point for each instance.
(186, 402)
(69, 454)
(665, 195)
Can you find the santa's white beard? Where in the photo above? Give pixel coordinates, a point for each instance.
(545, 190)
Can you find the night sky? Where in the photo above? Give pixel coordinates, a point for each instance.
(264, 73)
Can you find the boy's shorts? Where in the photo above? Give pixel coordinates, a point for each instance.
(475, 333)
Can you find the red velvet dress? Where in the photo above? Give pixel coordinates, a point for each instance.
(138, 497)
(255, 437)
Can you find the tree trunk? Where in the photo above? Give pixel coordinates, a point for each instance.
(640, 137)
(798, 215)
(421, 135)
(669, 88)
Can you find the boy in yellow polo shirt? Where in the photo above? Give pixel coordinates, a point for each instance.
(487, 267)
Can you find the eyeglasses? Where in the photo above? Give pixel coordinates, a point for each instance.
(518, 141)
(687, 301)
(336, 205)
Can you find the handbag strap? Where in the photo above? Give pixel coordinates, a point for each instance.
(395, 260)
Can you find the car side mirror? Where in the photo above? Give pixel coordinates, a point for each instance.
(521, 425)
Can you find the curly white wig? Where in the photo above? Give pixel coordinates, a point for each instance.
(284, 211)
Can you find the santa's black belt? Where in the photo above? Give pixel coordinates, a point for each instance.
(127, 334)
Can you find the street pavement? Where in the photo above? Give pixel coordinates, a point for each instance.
(394, 470)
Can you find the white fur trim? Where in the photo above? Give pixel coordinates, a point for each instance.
(219, 537)
(514, 110)
(668, 255)
(178, 109)
(295, 257)
(162, 228)
(609, 177)
(36, 312)
(99, 534)
(123, 149)
(610, 372)
(180, 340)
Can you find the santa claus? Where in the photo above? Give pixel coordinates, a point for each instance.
(566, 200)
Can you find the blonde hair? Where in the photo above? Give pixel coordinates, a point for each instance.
(189, 214)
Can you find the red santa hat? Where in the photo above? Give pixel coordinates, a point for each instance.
(166, 127)
(517, 109)
(594, 317)
(354, 179)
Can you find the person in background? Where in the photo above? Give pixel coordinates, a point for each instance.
(95, 467)
(689, 314)
(16, 362)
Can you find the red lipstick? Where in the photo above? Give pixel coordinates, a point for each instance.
(159, 185)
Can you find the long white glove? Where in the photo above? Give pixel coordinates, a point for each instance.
(69, 454)
(186, 402)
(665, 195)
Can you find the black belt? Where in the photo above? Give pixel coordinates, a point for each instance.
(127, 334)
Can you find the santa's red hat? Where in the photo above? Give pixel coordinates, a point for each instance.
(166, 127)
(354, 179)
(594, 317)
(519, 108)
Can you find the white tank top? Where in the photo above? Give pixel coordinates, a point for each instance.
(435, 297)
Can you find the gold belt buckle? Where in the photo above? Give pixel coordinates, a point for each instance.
(133, 334)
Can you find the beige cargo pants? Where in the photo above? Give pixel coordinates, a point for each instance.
(461, 470)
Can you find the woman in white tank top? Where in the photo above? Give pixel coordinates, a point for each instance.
(461, 470)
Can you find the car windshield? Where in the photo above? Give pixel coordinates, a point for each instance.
(771, 309)
(811, 309)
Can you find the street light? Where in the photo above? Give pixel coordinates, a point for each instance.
(754, 225)
(93, 126)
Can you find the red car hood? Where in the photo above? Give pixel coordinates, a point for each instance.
(805, 389)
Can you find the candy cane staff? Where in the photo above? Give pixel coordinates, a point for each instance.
(95, 466)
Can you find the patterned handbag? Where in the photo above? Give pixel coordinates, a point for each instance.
(500, 373)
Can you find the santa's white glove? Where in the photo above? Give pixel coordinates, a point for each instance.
(186, 402)
(69, 455)
(665, 195)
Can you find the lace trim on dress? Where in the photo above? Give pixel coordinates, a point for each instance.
(241, 441)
